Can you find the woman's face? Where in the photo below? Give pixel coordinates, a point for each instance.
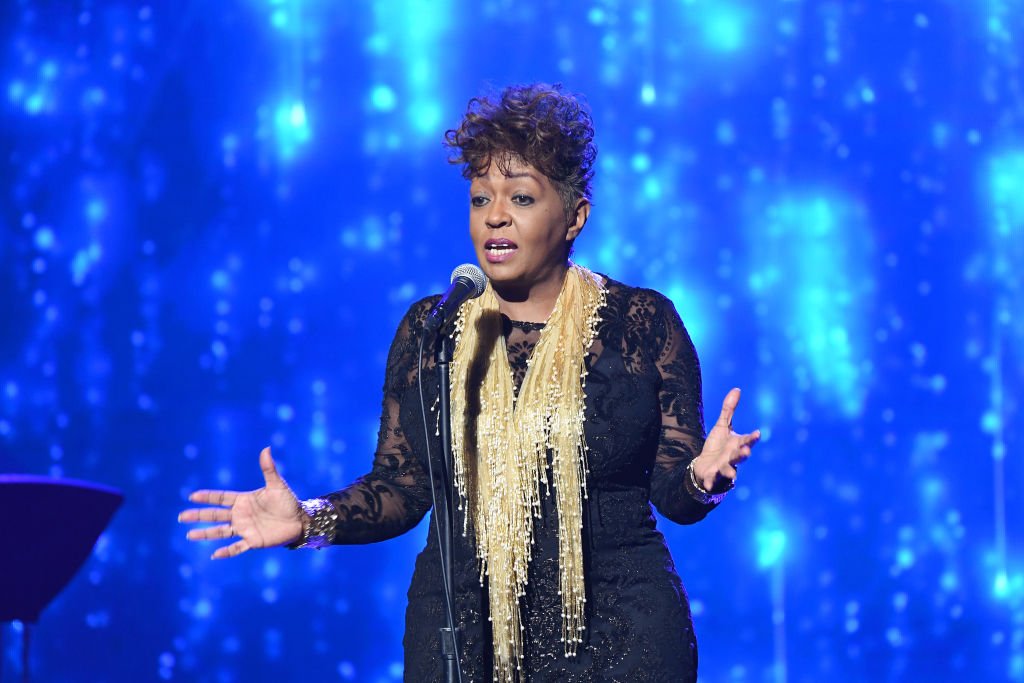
(519, 228)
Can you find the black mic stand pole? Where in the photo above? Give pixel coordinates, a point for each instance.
(442, 357)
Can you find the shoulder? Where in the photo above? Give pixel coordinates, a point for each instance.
(644, 315)
(638, 304)
(417, 312)
(410, 327)
(418, 309)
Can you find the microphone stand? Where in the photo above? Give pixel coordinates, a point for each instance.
(442, 357)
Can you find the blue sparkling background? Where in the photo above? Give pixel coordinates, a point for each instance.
(213, 215)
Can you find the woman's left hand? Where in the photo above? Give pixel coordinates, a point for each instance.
(724, 449)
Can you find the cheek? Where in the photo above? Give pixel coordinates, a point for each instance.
(474, 226)
(556, 231)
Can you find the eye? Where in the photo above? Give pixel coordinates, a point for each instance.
(522, 199)
(478, 200)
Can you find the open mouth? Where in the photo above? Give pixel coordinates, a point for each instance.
(500, 246)
(499, 249)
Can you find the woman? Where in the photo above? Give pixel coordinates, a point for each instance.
(576, 402)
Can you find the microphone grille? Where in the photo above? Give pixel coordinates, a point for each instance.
(474, 275)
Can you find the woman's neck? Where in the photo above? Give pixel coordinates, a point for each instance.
(533, 303)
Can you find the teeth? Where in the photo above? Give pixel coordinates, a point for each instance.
(500, 248)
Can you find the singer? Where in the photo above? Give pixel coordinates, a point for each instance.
(576, 404)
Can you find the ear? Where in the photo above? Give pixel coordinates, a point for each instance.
(578, 219)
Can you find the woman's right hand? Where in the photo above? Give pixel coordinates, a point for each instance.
(266, 517)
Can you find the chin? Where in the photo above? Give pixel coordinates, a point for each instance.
(493, 271)
(500, 274)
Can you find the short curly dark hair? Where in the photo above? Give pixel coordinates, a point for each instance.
(538, 124)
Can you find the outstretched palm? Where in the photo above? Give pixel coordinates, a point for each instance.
(268, 516)
(724, 449)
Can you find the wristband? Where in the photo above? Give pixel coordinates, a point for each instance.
(321, 528)
(702, 496)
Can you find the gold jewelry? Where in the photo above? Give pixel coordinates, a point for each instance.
(501, 453)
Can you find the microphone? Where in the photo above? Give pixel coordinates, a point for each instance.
(468, 282)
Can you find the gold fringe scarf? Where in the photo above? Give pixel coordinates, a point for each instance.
(500, 448)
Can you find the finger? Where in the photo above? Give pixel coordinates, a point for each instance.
(741, 456)
(233, 550)
(225, 498)
(727, 472)
(205, 515)
(729, 407)
(270, 474)
(751, 438)
(210, 534)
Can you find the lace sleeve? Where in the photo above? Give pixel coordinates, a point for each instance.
(395, 495)
(682, 416)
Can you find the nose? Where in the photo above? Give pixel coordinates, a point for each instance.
(497, 214)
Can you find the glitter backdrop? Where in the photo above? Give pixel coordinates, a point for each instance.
(214, 214)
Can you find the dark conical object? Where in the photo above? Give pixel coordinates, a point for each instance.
(49, 528)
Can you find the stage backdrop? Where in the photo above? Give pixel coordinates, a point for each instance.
(214, 214)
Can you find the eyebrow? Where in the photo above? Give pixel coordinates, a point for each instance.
(511, 176)
(523, 174)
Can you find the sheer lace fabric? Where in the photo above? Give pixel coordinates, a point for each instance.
(644, 425)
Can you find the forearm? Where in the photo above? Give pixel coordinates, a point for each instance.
(370, 510)
(676, 498)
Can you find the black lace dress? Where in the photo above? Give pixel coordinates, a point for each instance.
(644, 423)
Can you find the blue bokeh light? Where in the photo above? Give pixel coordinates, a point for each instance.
(213, 219)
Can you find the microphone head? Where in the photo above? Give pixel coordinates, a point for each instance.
(474, 275)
